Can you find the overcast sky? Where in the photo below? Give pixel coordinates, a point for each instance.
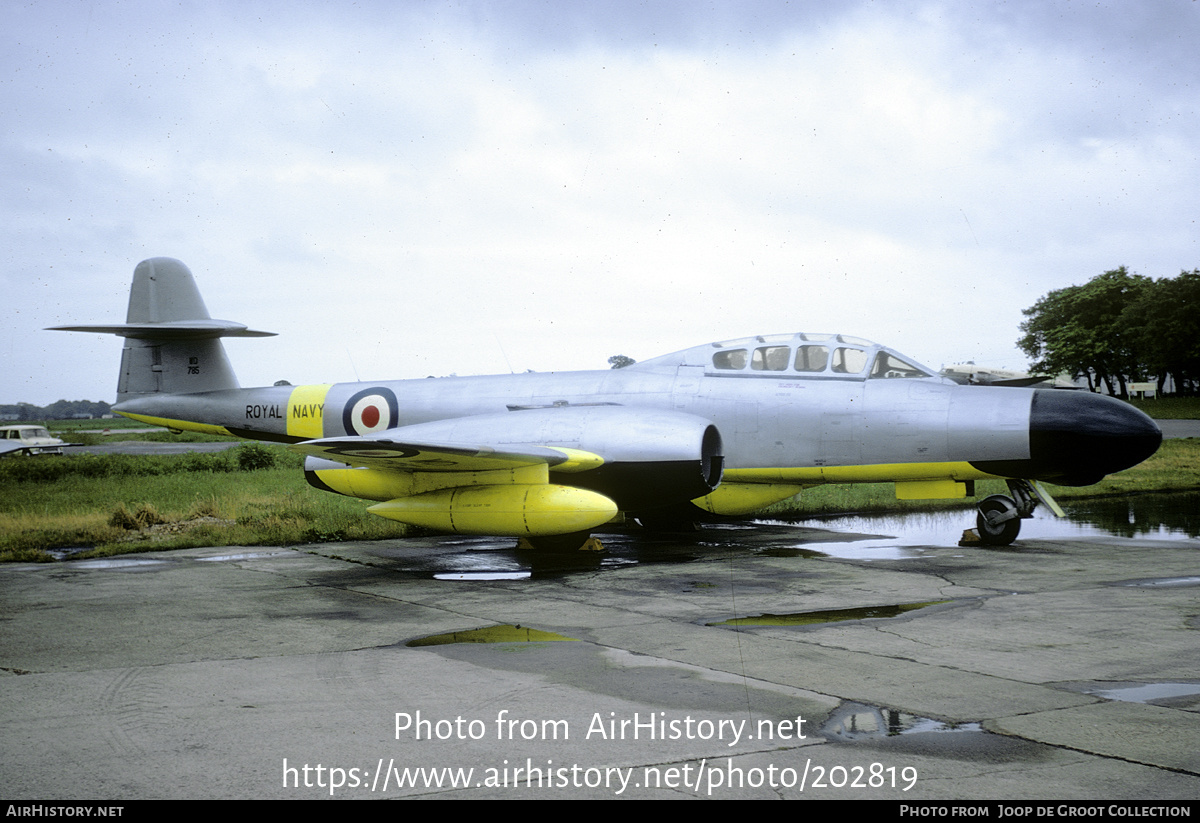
(411, 188)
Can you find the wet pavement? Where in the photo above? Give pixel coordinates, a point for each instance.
(1065, 666)
(1179, 428)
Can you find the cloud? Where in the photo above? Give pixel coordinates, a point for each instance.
(431, 188)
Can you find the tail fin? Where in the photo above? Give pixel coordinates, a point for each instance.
(172, 344)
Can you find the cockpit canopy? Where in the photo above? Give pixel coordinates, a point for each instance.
(808, 355)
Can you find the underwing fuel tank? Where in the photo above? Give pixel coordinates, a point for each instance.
(518, 510)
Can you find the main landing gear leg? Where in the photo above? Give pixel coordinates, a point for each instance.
(999, 518)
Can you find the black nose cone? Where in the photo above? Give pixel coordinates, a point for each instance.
(1076, 438)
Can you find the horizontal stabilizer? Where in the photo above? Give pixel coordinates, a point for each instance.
(165, 304)
(177, 330)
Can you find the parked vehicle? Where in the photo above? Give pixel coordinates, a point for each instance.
(28, 440)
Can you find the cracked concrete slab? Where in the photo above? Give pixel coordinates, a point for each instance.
(237, 672)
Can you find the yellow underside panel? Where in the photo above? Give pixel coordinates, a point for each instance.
(930, 490)
(735, 499)
(878, 473)
(180, 425)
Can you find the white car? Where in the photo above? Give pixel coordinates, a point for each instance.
(28, 440)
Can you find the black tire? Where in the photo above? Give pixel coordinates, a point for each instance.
(1000, 534)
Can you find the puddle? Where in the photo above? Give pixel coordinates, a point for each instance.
(1147, 692)
(902, 536)
(67, 552)
(221, 558)
(476, 558)
(483, 576)
(857, 551)
(857, 722)
(826, 616)
(490, 558)
(905, 536)
(885, 537)
(130, 562)
(120, 563)
(791, 551)
(491, 634)
(1163, 516)
(1162, 582)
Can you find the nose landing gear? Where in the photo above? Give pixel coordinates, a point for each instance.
(999, 518)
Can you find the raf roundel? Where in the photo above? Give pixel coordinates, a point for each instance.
(369, 411)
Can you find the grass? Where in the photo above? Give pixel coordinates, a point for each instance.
(93, 439)
(1170, 408)
(117, 504)
(113, 423)
(202, 499)
(1175, 467)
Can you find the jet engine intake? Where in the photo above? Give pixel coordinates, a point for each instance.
(650, 459)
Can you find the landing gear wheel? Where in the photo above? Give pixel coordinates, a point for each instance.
(998, 522)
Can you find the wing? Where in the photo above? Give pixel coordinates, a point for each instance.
(531, 471)
(469, 488)
(394, 453)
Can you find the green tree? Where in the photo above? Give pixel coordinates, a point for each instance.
(620, 361)
(1165, 320)
(1079, 330)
